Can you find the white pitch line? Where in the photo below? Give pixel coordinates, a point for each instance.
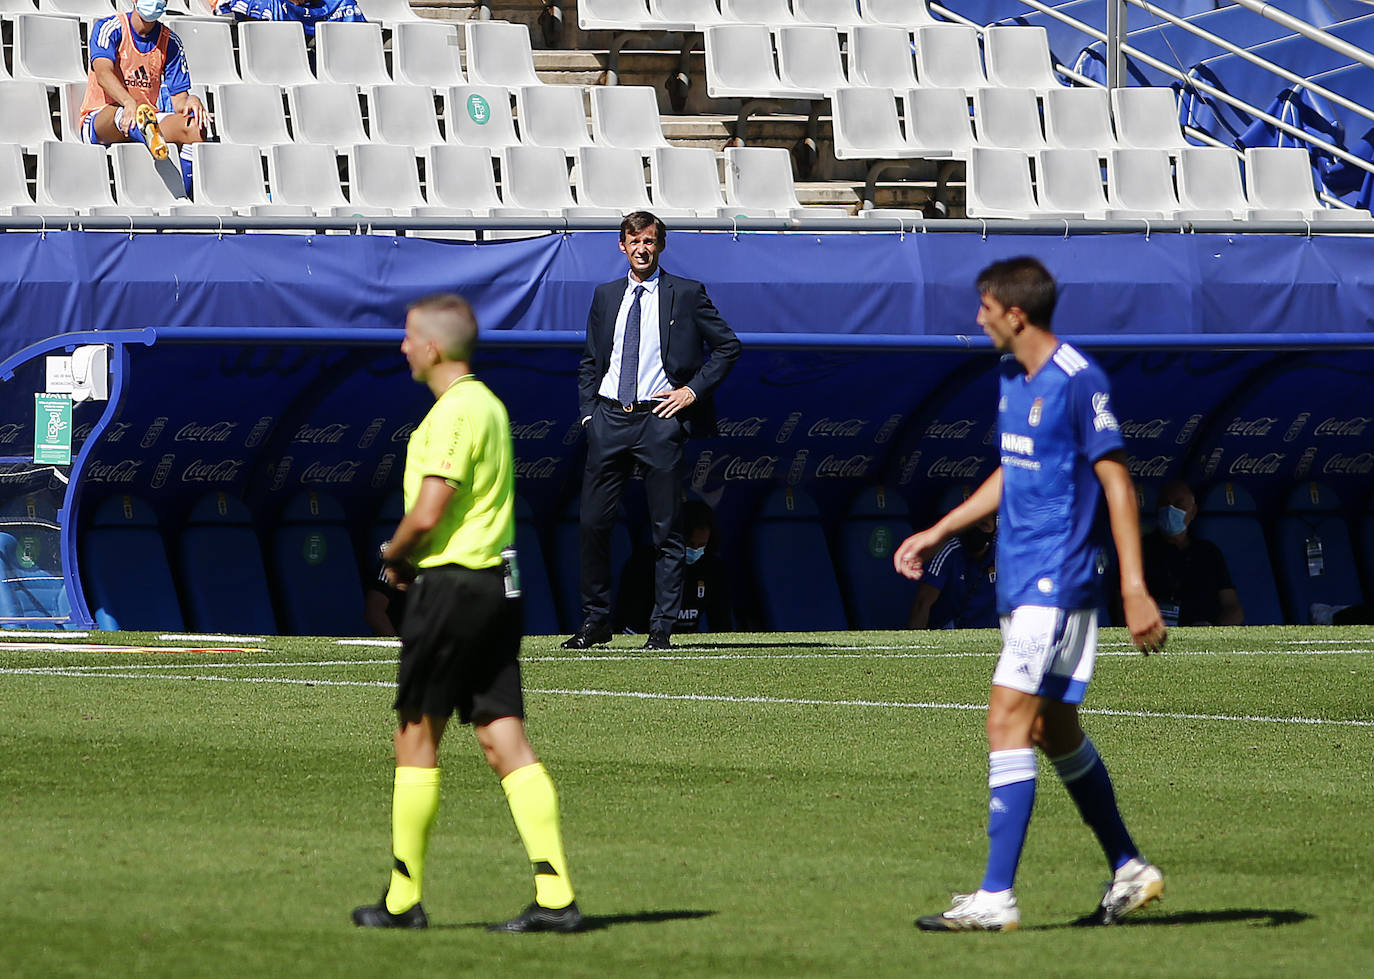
(53, 634)
(930, 705)
(368, 642)
(208, 637)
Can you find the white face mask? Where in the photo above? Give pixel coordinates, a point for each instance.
(150, 10)
(694, 554)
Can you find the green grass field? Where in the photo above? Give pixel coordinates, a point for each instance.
(773, 805)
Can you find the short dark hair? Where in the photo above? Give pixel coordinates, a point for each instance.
(449, 321)
(1024, 283)
(637, 221)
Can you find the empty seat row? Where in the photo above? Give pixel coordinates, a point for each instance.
(697, 15)
(424, 52)
(938, 123)
(1140, 184)
(810, 63)
(302, 180)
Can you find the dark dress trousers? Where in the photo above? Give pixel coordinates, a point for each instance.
(689, 328)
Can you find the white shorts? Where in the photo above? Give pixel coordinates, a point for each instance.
(1048, 652)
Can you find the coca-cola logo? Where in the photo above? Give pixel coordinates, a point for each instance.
(959, 429)
(1356, 465)
(1153, 468)
(223, 471)
(1250, 427)
(323, 472)
(740, 468)
(1338, 426)
(1260, 465)
(321, 435)
(533, 430)
(403, 433)
(837, 428)
(741, 428)
(10, 432)
(214, 432)
(1152, 429)
(123, 471)
(837, 468)
(965, 468)
(541, 468)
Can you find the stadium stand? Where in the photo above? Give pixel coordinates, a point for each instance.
(125, 573)
(1314, 556)
(1229, 518)
(223, 580)
(796, 580)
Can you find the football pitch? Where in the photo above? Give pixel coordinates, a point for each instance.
(751, 805)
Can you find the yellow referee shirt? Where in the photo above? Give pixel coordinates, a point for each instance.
(465, 439)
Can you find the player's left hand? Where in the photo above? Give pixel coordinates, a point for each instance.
(671, 402)
(912, 554)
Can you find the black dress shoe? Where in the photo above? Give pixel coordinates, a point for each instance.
(536, 917)
(377, 916)
(658, 640)
(587, 637)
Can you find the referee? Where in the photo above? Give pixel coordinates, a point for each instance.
(460, 640)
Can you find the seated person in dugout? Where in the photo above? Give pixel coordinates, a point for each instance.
(1187, 574)
(308, 12)
(959, 587)
(136, 62)
(705, 594)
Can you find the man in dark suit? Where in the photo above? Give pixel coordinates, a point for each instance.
(644, 386)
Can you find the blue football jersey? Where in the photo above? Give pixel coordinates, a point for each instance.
(1051, 429)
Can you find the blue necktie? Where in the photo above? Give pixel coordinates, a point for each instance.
(629, 352)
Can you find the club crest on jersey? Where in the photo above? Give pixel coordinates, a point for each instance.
(1036, 410)
(1103, 419)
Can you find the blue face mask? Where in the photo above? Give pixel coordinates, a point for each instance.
(694, 554)
(1172, 521)
(150, 10)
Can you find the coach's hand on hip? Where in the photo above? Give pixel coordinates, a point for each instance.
(671, 402)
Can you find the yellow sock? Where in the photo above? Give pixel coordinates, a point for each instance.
(533, 802)
(414, 803)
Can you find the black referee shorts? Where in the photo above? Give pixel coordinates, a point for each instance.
(460, 646)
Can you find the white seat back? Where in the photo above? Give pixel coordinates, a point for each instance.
(274, 51)
(48, 49)
(14, 185)
(404, 115)
(866, 126)
(350, 52)
(882, 56)
(228, 175)
(627, 116)
(1209, 180)
(1019, 57)
(499, 53)
(553, 115)
(1078, 118)
(686, 178)
(1147, 118)
(305, 173)
(1141, 180)
(809, 59)
(141, 181)
(326, 113)
(461, 176)
(479, 115)
(75, 175)
(999, 184)
(832, 13)
(209, 51)
(760, 177)
(24, 107)
(426, 53)
(1070, 180)
(1008, 117)
(947, 56)
(251, 113)
(899, 13)
(535, 178)
(384, 176)
(739, 63)
(937, 121)
(609, 176)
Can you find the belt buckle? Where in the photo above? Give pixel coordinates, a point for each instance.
(627, 408)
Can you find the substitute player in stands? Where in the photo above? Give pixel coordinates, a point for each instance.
(1061, 452)
(134, 59)
(460, 640)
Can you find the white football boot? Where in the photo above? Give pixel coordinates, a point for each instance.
(981, 911)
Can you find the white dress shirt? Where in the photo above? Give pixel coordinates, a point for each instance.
(652, 379)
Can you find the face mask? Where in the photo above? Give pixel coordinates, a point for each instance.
(694, 554)
(1172, 521)
(150, 10)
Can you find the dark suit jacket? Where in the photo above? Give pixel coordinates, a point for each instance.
(688, 327)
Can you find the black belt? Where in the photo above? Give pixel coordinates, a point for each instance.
(636, 406)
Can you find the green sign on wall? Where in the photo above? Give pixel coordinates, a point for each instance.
(52, 429)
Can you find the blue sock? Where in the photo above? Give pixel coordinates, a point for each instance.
(1011, 781)
(186, 167)
(1086, 778)
(119, 121)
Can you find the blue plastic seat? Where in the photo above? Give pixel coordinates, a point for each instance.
(28, 591)
(876, 595)
(1228, 517)
(1314, 557)
(541, 612)
(224, 583)
(792, 567)
(124, 570)
(317, 583)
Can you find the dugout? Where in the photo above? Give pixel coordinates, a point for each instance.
(258, 406)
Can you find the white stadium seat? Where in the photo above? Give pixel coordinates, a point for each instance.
(351, 53)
